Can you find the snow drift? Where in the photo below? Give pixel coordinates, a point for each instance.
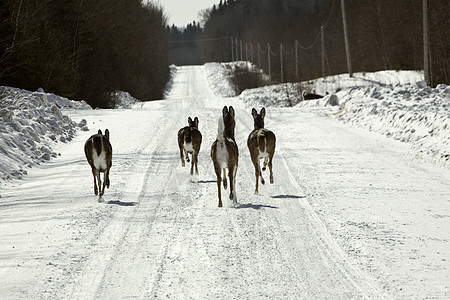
(31, 125)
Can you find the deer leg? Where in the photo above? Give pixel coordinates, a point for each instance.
(219, 180)
(231, 174)
(101, 190)
(257, 179)
(106, 183)
(260, 173)
(181, 156)
(270, 169)
(225, 184)
(192, 164)
(234, 183)
(187, 155)
(255, 162)
(196, 162)
(94, 173)
(265, 163)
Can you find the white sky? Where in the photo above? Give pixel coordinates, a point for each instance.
(182, 12)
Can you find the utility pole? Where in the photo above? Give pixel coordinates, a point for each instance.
(426, 62)
(296, 61)
(236, 44)
(281, 62)
(241, 50)
(232, 50)
(323, 50)
(268, 62)
(347, 46)
(259, 58)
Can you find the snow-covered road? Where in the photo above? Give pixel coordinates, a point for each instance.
(350, 214)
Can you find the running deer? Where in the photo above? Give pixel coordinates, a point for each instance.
(261, 143)
(189, 141)
(225, 153)
(98, 152)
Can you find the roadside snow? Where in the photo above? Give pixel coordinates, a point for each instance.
(123, 100)
(219, 79)
(397, 104)
(31, 125)
(410, 113)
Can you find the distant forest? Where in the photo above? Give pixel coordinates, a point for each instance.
(383, 34)
(87, 49)
(84, 49)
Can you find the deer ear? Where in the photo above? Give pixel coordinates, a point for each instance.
(232, 111)
(263, 112)
(254, 112)
(107, 133)
(189, 120)
(196, 121)
(224, 110)
(99, 132)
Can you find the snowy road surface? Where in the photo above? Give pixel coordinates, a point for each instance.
(351, 215)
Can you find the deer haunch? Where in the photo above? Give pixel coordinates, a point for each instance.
(189, 142)
(98, 151)
(261, 144)
(225, 154)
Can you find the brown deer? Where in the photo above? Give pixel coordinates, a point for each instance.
(225, 153)
(189, 141)
(98, 152)
(261, 143)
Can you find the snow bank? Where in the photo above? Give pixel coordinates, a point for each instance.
(397, 104)
(335, 83)
(290, 94)
(280, 95)
(123, 100)
(31, 123)
(411, 113)
(219, 79)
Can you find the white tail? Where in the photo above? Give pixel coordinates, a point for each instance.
(98, 153)
(225, 153)
(189, 142)
(261, 143)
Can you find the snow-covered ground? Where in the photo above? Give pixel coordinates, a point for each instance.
(396, 104)
(352, 214)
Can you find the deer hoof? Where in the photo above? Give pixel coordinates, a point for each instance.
(263, 181)
(264, 168)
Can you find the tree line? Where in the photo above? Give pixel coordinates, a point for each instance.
(383, 34)
(84, 49)
(184, 44)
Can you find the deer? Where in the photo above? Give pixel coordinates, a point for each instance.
(98, 151)
(225, 153)
(261, 144)
(189, 142)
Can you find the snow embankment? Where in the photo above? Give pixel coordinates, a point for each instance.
(410, 113)
(396, 104)
(290, 94)
(219, 79)
(31, 124)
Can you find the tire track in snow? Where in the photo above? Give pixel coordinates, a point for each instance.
(351, 281)
(111, 240)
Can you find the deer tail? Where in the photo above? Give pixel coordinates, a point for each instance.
(221, 129)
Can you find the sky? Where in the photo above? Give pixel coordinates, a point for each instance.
(183, 12)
